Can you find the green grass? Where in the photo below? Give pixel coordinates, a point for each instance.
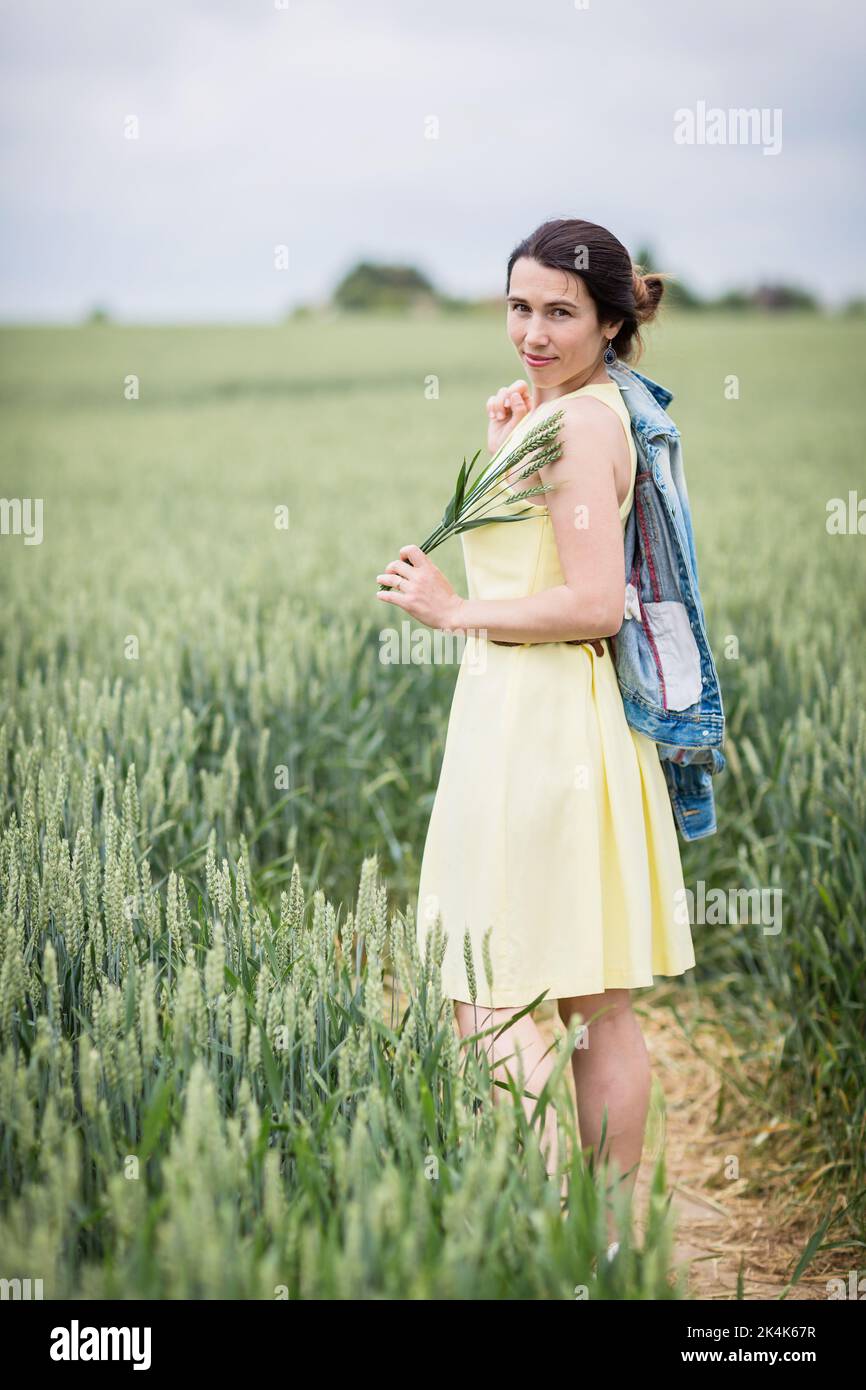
(256, 713)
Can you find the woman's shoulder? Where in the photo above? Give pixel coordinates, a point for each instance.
(605, 418)
(604, 411)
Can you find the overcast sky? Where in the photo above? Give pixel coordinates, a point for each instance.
(305, 124)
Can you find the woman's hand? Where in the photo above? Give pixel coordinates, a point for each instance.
(416, 584)
(507, 408)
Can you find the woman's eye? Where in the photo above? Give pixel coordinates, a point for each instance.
(557, 310)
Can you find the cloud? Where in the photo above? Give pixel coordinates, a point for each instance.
(307, 126)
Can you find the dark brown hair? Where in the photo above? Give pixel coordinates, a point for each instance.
(619, 288)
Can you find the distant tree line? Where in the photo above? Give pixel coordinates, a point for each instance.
(371, 287)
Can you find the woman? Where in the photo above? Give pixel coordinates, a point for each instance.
(552, 823)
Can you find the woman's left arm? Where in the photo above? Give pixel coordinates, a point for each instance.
(584, 513)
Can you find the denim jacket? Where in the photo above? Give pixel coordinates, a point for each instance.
(667, 677)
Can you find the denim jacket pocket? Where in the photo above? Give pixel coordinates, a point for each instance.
(670, 632)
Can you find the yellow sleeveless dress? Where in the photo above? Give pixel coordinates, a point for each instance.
(552, 822)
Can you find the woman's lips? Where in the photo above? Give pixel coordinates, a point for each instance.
(537, 361)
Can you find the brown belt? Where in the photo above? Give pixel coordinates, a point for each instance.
(594, 642)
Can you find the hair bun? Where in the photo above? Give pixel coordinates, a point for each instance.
(648, 290)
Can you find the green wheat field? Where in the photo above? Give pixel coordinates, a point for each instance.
(224, 1070)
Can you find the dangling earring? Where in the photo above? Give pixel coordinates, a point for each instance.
(609, 355)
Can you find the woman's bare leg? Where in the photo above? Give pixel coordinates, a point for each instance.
(611, 1066)
(522, 1036)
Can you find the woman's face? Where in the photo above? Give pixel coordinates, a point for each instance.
(551, 315)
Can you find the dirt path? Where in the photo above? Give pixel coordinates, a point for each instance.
(720, 1219)
(732, 1201)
